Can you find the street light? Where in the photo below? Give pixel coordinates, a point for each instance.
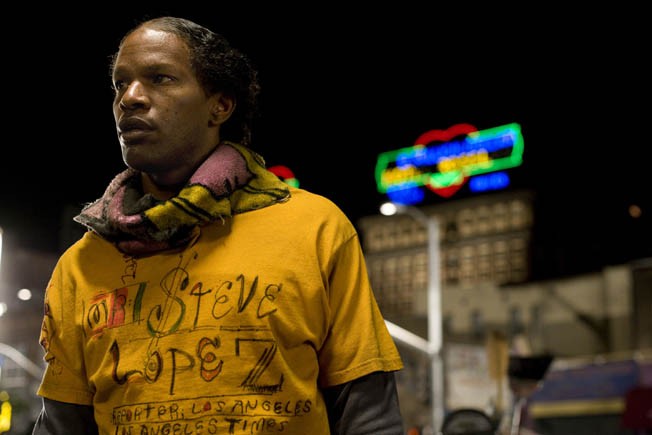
(433, 305)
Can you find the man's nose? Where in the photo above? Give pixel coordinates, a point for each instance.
(134, 96)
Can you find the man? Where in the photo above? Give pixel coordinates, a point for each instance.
(208, 296)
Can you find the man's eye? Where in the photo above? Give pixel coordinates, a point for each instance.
(117, 85)
(160, 78)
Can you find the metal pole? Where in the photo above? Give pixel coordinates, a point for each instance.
(435, 324)
(434, 313)
(21, 360)
(409, 339)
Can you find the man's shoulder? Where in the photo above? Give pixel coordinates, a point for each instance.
(307, 198)
(315, 209)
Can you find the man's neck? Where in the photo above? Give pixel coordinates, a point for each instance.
(159, 192)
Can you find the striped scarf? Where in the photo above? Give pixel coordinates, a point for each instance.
(232, 180)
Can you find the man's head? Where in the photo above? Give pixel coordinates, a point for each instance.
(219, 67)
(179, 90)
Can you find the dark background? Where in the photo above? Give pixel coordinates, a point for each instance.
(341, 84)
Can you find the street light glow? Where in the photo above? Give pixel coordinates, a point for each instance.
(388, 209)
(24, 294)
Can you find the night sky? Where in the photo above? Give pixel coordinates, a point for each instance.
(339, 86)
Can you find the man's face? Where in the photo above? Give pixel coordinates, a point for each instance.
(161, 111)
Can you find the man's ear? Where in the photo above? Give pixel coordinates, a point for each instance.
(221, 107)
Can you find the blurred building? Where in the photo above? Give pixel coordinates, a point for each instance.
(486, 252)
(23, 277)
(483, 240)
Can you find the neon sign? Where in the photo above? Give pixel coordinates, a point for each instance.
(444, 160)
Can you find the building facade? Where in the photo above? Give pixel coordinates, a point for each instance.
(485, 250)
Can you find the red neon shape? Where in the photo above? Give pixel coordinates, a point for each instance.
(281, 171)
(444, 136)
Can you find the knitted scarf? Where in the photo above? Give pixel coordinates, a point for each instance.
(232, 180)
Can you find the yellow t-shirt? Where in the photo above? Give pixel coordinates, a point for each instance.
(231, 335)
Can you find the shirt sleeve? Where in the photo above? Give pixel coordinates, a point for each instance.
(62, 340)
(366, 406)
(358, 342)
(59, 418)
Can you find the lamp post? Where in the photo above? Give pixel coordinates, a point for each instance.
(433, 304)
